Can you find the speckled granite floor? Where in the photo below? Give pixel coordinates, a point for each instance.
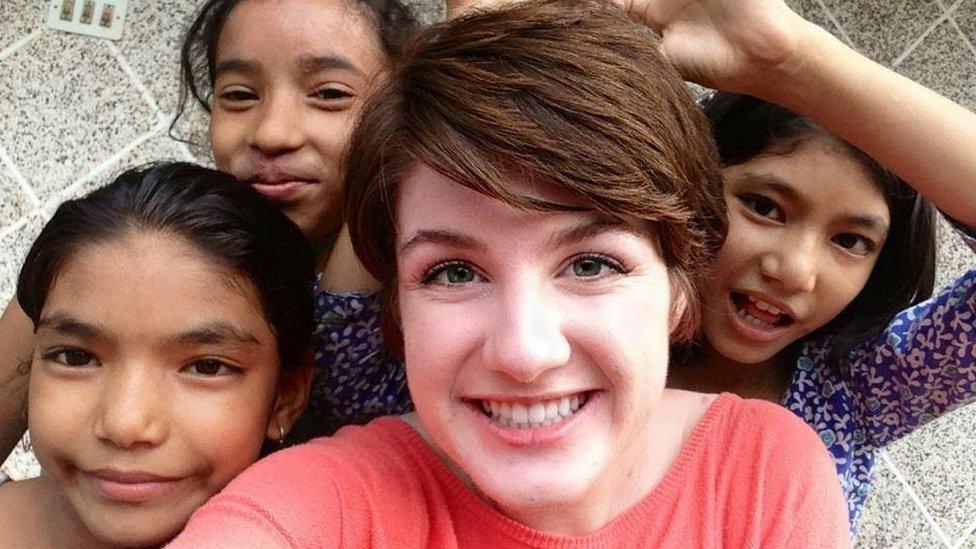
(74, 110)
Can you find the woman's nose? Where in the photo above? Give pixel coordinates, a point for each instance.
(527, 336)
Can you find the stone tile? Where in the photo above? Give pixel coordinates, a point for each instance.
(427, 11)
(21, 463)
(812, 11)
(151, 44)
(14, 203)
(965, 16)
(19, 18)
(953, 257)
(156, 149)
(15, 245)
(67, 106)
(939, 462)
(880, 529)
(882, 29)
(944, 63)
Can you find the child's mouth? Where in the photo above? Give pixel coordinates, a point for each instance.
(758, 313)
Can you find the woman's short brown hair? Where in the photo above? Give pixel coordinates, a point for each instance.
(567, 92)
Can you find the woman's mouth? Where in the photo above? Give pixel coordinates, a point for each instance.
(757, 313)
(533, 414)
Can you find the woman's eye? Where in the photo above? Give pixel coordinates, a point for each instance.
(74, 358)
(762, 206)
(593, 266)
(452, 274)
(210, 367)
(854, 243)
(331, 94)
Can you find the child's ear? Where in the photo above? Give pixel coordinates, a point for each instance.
(294, 386)
(681, 321)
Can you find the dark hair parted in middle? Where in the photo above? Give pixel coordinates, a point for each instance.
(568, 93)
(229, 222)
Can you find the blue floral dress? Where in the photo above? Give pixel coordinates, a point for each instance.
(922, 366)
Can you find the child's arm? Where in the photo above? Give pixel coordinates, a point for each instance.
(16, 346)
(343, 272)
(762, 48)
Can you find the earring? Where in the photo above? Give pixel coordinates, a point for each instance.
(281, 435)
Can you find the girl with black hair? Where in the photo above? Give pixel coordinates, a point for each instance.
(172, 313)
(283, 83)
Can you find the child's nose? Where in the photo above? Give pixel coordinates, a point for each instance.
(131, 411)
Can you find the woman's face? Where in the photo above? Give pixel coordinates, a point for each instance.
(536, 343)
(805, 230)
(290, 79)
(152, 383)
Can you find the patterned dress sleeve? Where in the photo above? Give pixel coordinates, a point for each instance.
(356, 379)
(923, 364)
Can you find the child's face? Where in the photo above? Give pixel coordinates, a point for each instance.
(805, 230)
(291, 77)
(536, 343)
(152, 381)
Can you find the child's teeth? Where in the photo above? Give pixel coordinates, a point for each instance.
(536, 414)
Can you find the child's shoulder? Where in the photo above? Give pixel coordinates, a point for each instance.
(19, 502)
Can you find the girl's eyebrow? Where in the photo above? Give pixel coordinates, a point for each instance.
(212, 333)
(307, 64)
(311, 64)
(69, 325)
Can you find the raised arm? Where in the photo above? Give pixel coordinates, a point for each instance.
(762, 48)
(16, 337)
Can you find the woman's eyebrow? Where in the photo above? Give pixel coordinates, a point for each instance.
(591, 229)
(442, 236)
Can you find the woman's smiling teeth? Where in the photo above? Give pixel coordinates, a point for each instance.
(520, 415)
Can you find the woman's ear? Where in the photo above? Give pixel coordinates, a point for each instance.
(682, 320)
(294, 386)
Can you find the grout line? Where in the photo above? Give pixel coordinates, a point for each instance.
(965, 535)
(9, 50)
(127, 69)
(16, 225)
(915, 43)
(115, 157)
(951, 12)
(914, 497)
(187, 153)
(18, 177)
(840, 29)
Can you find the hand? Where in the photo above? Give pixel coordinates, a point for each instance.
(732, 45)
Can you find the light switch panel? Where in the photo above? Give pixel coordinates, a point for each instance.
(101, 18)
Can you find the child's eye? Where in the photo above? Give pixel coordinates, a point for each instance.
(237, 97)
(452, 273)
(210, 367)
(763, 207)
(593, 266)
(854, 243)
(72, 358)
(331, 93)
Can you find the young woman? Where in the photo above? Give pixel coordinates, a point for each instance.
(821, 233)
(172, 312)
(283, 82)
(540, 244)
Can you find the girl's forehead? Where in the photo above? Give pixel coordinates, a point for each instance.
(300, 26)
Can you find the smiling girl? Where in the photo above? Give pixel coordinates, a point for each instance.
(283, 82)
(172, 314)
(540, 244)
